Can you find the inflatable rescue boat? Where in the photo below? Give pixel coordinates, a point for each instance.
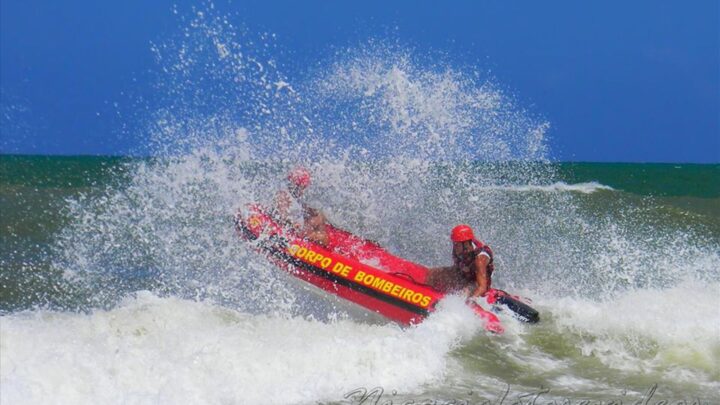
(361, 271)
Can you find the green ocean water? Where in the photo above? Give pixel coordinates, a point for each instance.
(35, 190)
(633, 246)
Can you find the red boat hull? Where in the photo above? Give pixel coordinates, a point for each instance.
(353, 268)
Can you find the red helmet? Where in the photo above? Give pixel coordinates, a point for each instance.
(299, 177)
(462, 233)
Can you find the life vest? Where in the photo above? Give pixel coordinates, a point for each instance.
(463, 263)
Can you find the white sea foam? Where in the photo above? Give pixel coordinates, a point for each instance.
(152, 350)
(557, 187)
(651, 330)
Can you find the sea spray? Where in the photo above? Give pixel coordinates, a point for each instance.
(401, 147)
(217, 153)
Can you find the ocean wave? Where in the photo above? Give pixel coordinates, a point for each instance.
(668, 331)
(557, 187)
(168, 350)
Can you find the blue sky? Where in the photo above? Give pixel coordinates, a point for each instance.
(618, 81)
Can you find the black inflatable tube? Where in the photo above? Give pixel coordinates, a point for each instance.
(524, 311)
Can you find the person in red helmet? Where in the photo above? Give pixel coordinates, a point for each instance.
(472, 267)
(290, 206)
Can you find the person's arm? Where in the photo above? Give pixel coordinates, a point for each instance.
(481, 263)
(282, 203)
